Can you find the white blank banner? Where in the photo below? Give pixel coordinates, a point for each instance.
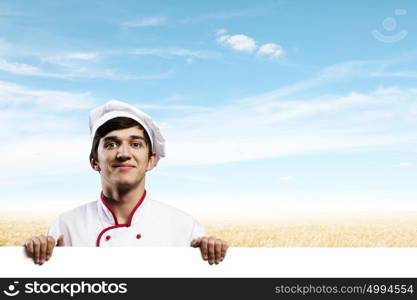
(187, 262)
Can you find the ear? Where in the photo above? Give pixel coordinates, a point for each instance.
(152, 162)
(94, 164)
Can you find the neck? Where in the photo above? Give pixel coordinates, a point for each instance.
(122, 201)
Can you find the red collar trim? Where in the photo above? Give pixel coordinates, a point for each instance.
(104, 230)
(131, 213)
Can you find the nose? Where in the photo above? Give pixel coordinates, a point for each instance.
(123, 152)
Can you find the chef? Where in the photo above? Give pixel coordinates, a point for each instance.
(126, 143)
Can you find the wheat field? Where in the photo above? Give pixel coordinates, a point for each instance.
(365, 229)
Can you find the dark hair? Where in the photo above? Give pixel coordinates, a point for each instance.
(116, 124)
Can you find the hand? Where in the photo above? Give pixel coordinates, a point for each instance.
(212, 249)
(40, 247)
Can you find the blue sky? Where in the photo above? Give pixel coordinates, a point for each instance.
(267, 106)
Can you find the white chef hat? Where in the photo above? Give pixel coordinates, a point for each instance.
(114, 108)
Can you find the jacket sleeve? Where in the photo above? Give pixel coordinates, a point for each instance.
(198, 231)
(53, 229)
(56, 228)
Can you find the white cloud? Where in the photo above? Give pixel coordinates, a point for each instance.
(18, 123)
(155, 76)
(184, 176)
(221, 31)
(173, 107)
(277, 128)
(241, 42)
(71, 70)
(86, 64)
(405, 164)
(329, 74)
(271, 49)
(286, 178)
(89, 56)
(66, 68)
(53, 153)
(23, 69)
(168, 52)
(238, 42)
(82, 65)
(145, 22)
(255, 128)
(402, 74)
(13, 95)
(43, 137)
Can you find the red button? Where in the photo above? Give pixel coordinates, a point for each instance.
(108, 237)
(138, 236)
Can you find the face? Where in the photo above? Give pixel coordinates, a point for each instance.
(123, 158)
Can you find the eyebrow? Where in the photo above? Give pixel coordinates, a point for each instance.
(115, 138)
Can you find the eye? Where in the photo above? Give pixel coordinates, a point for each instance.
(110, 145)
(136, 145)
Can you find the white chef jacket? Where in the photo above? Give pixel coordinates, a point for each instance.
(151, 223)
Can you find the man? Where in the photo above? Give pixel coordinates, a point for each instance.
(126, 144)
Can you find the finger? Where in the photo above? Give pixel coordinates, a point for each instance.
(195, 243)
(36, 249)
(211, 254)
(204, 248)
(50, 247)
(43, 249)
(218, 250)
(29, 247)
(225, 246)
(60, 242)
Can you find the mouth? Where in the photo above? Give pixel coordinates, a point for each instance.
(123, 167)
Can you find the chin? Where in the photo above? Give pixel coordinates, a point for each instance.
(124, 186)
